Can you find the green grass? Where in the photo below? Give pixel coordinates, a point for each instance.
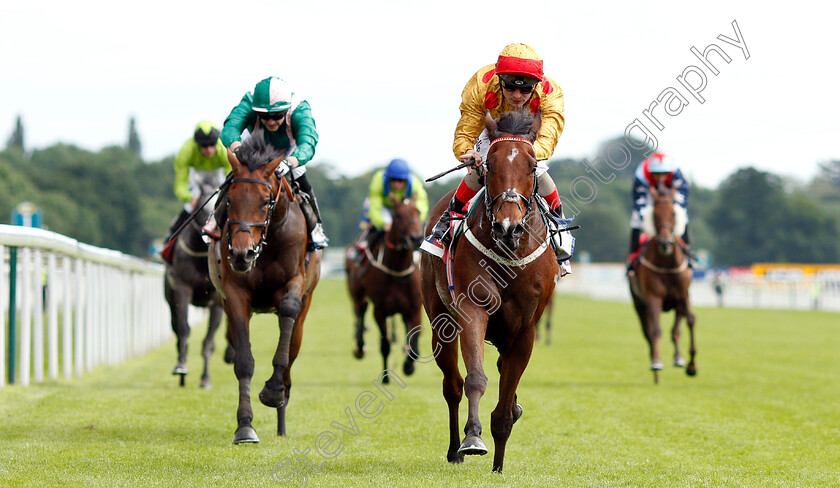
(763, 411)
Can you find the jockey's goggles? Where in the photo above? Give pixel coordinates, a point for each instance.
(271, 115)
(522, 83)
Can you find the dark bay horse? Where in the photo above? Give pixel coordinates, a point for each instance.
(263, 267)
(660, 280)
(389, 278)
(187, 282)
(503, 276)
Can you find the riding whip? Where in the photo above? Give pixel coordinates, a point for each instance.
(195, 211)
(471, 162)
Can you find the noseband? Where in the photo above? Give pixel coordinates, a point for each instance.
(245, 226)
(509, 195)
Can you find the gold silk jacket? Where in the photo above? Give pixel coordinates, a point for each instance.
(483, 93)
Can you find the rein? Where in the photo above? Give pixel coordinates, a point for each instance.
(679, 269)
(377, 263)
(245, 226)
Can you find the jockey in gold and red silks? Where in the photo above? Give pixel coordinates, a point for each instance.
(484, 92)
(515, 82)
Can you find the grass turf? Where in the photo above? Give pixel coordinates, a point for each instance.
(762, 411)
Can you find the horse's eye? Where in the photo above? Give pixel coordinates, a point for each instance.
(266, 203)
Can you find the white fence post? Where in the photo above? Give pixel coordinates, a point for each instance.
(111, 306)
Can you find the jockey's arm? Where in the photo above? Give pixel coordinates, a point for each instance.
(640, 194)
(376, 200)
(471, 122)
(682, 186)
(552, 125)
(182, 171)
(306, 136)
(421, 198)
(236, 122)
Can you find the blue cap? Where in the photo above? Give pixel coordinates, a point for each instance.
(398, 170)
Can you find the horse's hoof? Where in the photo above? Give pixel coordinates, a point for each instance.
(358, 353)
(273, 398)
(656, 366)
(245, 434)
(472, 445)
(691, 371)
(229, 354)
(517, 412)
(679, 362)
(205, 384)
(180, 369)
(408, 368)
(454, 458)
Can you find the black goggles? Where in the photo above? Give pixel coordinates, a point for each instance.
(271, 115)
(513, 87)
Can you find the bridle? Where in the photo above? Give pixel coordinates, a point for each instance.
(509, 195)
(245, 226)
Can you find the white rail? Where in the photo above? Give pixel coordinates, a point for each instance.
(77, 306)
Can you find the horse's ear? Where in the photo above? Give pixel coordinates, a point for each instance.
(234, 161)
(490, 124)
(535, 126)
(270, 167)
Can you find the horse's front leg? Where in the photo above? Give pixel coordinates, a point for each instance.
(474, 327)
(288, 305)
(691, 370)
(679, 361)
(381, 318)
(360, 308)
(653, 333)
(512, 364)
(239, 312)
(179, 305)
(411, 320)
(209, 343)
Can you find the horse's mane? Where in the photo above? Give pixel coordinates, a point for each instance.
(255, 153)
(517, 123)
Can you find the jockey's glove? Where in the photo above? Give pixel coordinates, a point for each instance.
(282, 169)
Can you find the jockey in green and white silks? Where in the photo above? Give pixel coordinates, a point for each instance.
(288, 126)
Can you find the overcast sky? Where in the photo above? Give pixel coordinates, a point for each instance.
(384, 81)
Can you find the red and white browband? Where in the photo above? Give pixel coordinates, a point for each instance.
(518, 139)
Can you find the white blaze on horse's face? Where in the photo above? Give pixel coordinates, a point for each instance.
(506, 224)
(513, 153)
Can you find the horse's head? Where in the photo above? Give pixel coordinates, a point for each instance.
(510, 174)
(664, 218)
(407, 228)
(252, 199)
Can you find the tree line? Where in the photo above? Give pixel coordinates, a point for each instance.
(112, 198)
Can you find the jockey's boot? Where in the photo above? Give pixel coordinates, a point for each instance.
(440, 238)
(562, 241)
(634, 247)
(212, 228)
(686, 238)
(441, 230)
(317, 237)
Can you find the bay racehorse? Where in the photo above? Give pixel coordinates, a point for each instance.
(388, 277)
(187, 282)
(660, 279)
(502, 279)
(262, 267)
